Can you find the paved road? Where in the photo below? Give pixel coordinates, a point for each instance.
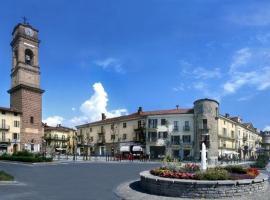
(72, 181)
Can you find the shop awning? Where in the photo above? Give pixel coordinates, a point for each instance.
(137, 148)
(124, 148)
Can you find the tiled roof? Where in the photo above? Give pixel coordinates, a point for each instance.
(9, 110)
(139, 115)
(57, 128)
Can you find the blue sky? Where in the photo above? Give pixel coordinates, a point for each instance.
(113, 56)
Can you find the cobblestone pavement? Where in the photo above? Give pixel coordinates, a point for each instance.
(131, 191)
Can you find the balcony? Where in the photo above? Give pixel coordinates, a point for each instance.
(186, 128)
(4, 127)
(245, 138)
(175, 129)
(49, 137)
(227, 137)
(4, 141)
(101, 140)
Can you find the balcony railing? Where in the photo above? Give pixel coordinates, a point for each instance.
(101, 140)
(4, 140)
(186, 128)
(4, 127)
(48, 137)
(176, 128)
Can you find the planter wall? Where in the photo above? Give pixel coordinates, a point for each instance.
(201, 189)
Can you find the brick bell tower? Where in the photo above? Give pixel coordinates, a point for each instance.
(25, 92)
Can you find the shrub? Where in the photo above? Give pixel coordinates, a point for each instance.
(261, 161)
(25, 156)
(5, 176)
(236, 169)
(213, 174)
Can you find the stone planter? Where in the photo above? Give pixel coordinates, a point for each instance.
(201, 189)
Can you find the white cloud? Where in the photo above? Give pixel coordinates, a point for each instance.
(54, 120)
(240, 58)
(73, 109)
(93, 107)
(179, 88)
(202, 73)
(259, 79)
(266, 128)
(111, 64)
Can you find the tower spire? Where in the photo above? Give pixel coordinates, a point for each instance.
(25, 20)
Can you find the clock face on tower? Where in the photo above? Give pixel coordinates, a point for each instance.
(29, 32)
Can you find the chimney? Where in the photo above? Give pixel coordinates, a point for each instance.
(177, 107)
(227, 115)
(140, 110)
(103, 116)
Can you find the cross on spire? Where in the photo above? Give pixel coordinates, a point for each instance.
(25, 20)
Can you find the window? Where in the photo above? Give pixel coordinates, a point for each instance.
(186, 127)
(124, 125)
(225, 132)
(56, 136)
(31, 119)
(112, 126)
(175, 140)
(3, 112)
(175, 125)
(232, 134)
(32, 147)
(29, 57)
(112, 137)
(152, 136)
(90, 129)
(63, 137)
(152, 123)
(186, 138)
(224, 122)
(16, 123)
(163, 135)
(91, 139)
(15, 136)
(3, 125)
(15, 114)
(124, 136)
(204, 123)
(163, 122)
(139, 124)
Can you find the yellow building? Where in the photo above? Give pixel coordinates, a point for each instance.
(58, 139)
(10, 121)
(237, 138)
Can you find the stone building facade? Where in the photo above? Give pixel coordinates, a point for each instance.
(178, 133)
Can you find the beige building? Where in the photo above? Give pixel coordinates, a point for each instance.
(10, 121)
(59, 139)
(178, 133)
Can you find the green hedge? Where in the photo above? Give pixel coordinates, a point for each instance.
(25, 156)
(5, 176)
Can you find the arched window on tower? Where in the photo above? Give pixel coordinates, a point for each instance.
(29, 57)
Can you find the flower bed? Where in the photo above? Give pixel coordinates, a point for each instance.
(192, 171)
